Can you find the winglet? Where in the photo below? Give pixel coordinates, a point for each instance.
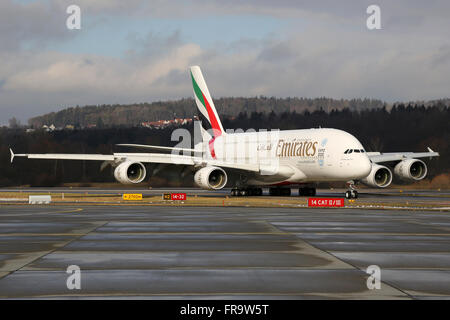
(429, 149)
(12, 155)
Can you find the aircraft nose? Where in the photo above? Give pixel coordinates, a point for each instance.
(365, 167)
(362, 167)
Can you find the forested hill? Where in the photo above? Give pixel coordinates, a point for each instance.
(133, 114)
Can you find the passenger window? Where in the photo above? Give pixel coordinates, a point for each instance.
(356, 150)
(362, 151)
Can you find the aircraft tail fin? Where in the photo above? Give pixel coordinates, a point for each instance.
(207, 111)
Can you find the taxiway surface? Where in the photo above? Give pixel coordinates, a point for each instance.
(195, 252)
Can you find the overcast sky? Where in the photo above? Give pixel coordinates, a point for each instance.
(139, 51)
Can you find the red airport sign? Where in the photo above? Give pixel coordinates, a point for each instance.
(174, 196)
(178, 196)
(326, 202)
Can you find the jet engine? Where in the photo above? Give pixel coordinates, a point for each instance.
(211, 178)
(129, 172)
(411, 169)
(379, 176)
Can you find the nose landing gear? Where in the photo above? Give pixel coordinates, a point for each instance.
(352, 193)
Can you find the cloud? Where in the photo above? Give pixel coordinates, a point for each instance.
(36, 23)
(324, 49)
(55, 73)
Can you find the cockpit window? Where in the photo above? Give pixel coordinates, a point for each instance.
(348, 151)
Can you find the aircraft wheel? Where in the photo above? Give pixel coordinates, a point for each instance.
(257, 192)
(348, 195)
(307, 192)
(274, 191)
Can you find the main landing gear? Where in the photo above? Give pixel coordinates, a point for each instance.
(285, 192)
(305, 191)
(274, 191)
(244, 192)
(308, 192)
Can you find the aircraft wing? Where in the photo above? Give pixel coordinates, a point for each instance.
(378, 157)
(145, 146)
(183, 160)
(63, 156)
(141, 157)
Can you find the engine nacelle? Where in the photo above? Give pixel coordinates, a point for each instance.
(411, 170)
(129, 172)
(379, 176)
(211, 178)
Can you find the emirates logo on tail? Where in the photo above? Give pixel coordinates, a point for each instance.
(204, 102)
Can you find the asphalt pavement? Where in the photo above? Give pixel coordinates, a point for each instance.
(214, 253)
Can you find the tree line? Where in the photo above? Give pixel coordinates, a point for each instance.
(104, 116)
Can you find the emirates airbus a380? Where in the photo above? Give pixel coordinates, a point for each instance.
(277, 159)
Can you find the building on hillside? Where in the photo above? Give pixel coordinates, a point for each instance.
(49, 128)
(166, 123)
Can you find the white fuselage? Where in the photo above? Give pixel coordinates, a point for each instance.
(294, 156)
